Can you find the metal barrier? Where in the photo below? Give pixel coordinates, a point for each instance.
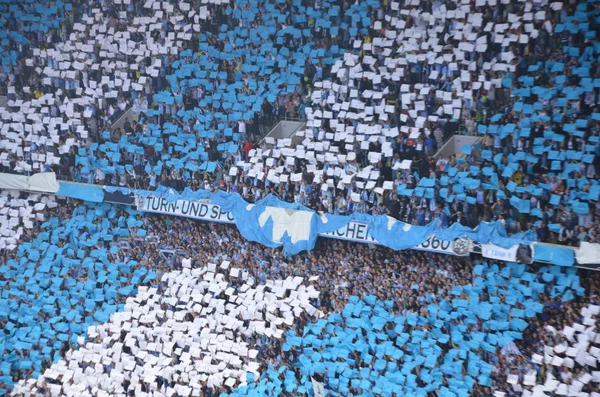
(286, 129)
(455, 144)
(128, 115)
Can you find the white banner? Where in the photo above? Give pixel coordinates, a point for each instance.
(359, 232)
(189, 209)
(494, 252)
(354, 231)
(458, 247)
(41, 182)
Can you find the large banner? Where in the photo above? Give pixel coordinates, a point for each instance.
(359, 232)
(189, 209)
(354, 231)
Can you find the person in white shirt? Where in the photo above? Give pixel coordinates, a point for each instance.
(242, 129)
(136, 108)
(144, 105)
(100, 176)
(152, 179)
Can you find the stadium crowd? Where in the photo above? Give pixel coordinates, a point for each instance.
(381, 87)
(534, 168)
(409, 279)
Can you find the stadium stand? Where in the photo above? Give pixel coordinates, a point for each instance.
(102, 299)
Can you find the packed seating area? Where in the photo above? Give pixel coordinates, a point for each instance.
(380, 86)
(178, 98)
(431, 322)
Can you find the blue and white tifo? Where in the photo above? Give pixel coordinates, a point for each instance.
(207, 327)
(81, 318)
(275, 223)
(162, 103)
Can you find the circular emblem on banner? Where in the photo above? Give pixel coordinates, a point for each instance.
(139, 202)
(461, 246)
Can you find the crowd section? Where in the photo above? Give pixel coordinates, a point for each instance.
(382, 314)
(413, 283)
(97, 299)
(380, 85)
(65, 275)
(200, 330)
(522, 77)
